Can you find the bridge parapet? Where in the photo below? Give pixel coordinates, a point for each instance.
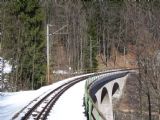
(101, 91)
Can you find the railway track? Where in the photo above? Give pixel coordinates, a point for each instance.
(41, 109)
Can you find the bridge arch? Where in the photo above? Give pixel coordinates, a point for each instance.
(115, 89)
(105, 96)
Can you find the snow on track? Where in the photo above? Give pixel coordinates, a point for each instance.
(70, 105)
(12, 102)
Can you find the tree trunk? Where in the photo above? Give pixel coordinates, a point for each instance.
(149, 105)
(90, 53)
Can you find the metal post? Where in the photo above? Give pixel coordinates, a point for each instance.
(48, 64)
(1, 62)
(48, 50)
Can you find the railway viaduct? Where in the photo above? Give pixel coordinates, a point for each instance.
(101, 93)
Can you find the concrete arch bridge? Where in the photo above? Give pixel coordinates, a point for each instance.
(101, 92)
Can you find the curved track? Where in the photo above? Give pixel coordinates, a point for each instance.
(41, 109)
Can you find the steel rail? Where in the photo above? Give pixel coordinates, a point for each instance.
(50, 104)
(29, 112)
(61, 89)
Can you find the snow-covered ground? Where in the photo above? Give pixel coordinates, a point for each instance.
(12, 103)
(70, 105)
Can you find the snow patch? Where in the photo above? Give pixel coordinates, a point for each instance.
(70, 105)
(7, 67)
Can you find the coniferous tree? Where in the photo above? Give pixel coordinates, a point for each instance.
(24, 43)
(30, 14)
(91, 49)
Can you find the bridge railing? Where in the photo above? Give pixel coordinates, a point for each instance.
(89, 104)
(93, 113)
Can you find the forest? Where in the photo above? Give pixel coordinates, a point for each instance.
(89, 35)
(95, 30)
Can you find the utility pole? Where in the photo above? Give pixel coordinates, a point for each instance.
(48, 70)
(48, 49)
(1, 60)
